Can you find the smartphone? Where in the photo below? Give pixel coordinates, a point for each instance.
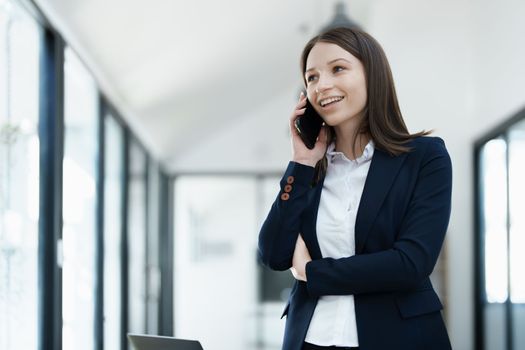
(309, 125)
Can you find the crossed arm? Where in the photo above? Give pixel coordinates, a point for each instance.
(405, 265)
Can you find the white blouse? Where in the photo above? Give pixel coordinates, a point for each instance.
(333, 322)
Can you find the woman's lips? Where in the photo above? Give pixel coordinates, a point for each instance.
(331, 105)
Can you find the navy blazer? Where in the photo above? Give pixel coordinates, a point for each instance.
(400, 227)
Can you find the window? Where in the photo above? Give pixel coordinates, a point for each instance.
(114, 169)
(517, 232)
(19, 176)
(494, 177)
(137, 238)
(79, 215)
(217, 220)
(501, 237)
(153, 272)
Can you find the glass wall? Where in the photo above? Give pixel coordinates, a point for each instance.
(114, 170)
(501, 238)
(137, 228)
(79, 216)
(517, 232)
(153, 275)
(19, 177)
(493, 184)
(105, 218)
(215, 244)
(217, 220)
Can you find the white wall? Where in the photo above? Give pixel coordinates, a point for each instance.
(215, 250)
(459, 69)
(256, 141)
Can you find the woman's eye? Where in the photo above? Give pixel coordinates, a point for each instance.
(310, 78)
(338, 69)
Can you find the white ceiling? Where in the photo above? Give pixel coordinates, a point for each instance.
(180, 69)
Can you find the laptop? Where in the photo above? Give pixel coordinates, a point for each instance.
(156, 342)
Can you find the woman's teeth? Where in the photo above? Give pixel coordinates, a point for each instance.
(330, 100)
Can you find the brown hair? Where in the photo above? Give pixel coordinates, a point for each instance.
(382, 119)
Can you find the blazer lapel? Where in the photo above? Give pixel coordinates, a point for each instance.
(310, 228)
(381, 175)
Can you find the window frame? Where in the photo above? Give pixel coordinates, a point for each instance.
(51, 137)
(480, 298)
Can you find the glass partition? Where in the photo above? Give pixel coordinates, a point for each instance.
(501, 237)
(517, 232)
(215, 249)
(493, 174)
(79, 216)
(113, 177)
(153, 274)
(138, 175)
(19, 177)
(217, 221)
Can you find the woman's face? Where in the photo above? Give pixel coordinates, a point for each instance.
(335, 84)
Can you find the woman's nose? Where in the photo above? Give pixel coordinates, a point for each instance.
(324, 83)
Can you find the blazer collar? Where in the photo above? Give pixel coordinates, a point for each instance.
(383, 170)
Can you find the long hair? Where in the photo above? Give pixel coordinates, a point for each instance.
(382, 119)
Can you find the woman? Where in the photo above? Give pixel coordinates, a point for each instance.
(361, 217)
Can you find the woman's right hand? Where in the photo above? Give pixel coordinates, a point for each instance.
(301, 153)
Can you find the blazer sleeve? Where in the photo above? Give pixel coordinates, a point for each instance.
(280, 230)
(416, 249)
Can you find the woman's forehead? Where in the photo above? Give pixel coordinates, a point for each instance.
(324, 53)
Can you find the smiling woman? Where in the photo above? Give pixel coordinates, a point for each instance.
(336, 85)
(361, 217)
(358, 60)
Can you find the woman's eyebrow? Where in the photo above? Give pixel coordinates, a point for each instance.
(339, 59)
(329, 63)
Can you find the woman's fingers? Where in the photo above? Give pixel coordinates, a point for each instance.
(302, 101)
(301, 256)
(300, 105)
(299, 109)
(295, 115)
(323, 135)
(294, 273)
(300, 241)
(300, 248)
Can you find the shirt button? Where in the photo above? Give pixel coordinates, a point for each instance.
(285, 196)
(288, 188)
(290, 179)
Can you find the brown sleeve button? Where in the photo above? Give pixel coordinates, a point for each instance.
(288, 188)
(290, 179)
(285, 196)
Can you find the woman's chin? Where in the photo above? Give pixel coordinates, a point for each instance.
(331, 121)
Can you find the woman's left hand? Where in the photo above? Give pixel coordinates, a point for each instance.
(301, 257)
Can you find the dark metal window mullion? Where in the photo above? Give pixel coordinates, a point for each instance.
(172, 218)
(99, 239)
(51, 136)
(147, 273)
(124, 248)
(480, 297)
(165, 316)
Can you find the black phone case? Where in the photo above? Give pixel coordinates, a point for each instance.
(309, 125)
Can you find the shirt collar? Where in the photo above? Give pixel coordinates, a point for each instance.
(334, 155)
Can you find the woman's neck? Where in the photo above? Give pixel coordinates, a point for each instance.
(345, 135)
